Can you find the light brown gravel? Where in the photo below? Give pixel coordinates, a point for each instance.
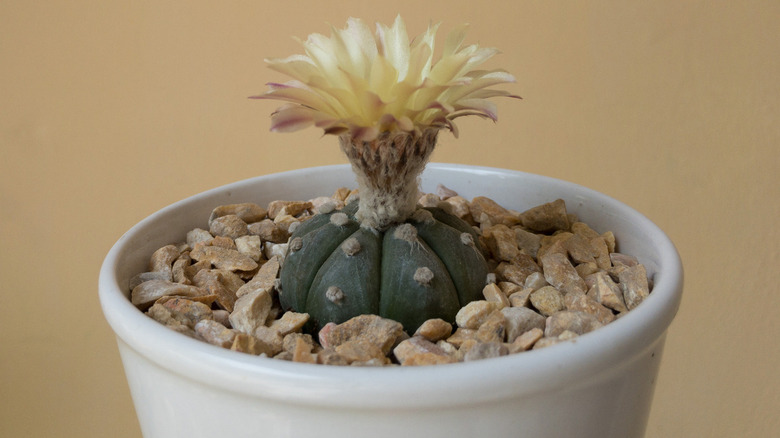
(554, 278)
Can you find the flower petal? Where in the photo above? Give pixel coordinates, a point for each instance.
(455, 39)
(292, 118)
(393, 44)
(475, 107)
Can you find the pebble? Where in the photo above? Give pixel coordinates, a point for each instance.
(461, 336)
(268, 231)
(251, 246)
(179, 270)
(420, 351)
(579, 249)
(493, 329)
(265, 279)
(188, 312)
(272, 340)
(444, 192)
(526, 340)
(434, 329)
(271, 250)
(584, 230)
(223, 258)
(535, 281)
(521, 298)
(341, 194)
(520, 320)
(325, 205)
(559, 272)
(546, 218)
(286, 222)
(485, 350)
(302, 352)
(473, 314)
(146, 293)
(501, 241)
(290, 322)
(192, 270)
(147, 276)
(496, 214)
(222, 283)
(429, 200)
(370, 329)
(162, 259)
(459, 206)
(492, 292)
(508, 288)
(247, 212)
(609, 239)
(601, 252)
(290, 208)
(607, 292)
(221, 316)
(360, 350)
(527, 241)
(423, 359)
(546, 342)
(251, 310)
(633, 283)
(291, 340)
(586, 269)
(553, 279)
(518, 270)
(164, 316)
(329, 356)
(547, 300)
(249, 344)
(617, 258)
(215, 333)
(583, 303)
(222, 242)
(198, 235)
(228, 226)
(573, 321)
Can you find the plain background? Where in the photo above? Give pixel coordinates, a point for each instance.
(110, 111)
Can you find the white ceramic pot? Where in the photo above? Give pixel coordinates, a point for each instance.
(599, 385)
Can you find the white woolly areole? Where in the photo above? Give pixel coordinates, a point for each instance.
(406, 232)
(339, 219)
(467, 239)
(351, 246)
(296, 244)
(423, 216)
(327, 207)
(423, 276)
(334, 294)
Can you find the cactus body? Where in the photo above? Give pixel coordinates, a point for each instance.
(427, 267)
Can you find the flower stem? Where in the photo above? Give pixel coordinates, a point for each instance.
(388, 170)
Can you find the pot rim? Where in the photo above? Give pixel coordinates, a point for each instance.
(529, 372)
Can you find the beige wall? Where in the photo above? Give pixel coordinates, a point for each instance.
(112, 110)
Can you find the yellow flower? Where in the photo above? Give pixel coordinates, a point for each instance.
(363, 84)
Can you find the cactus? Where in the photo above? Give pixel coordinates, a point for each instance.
(427, 267)
(386, 99)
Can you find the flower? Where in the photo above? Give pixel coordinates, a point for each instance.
(363, 84)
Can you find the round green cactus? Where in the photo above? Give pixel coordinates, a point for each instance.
(427, 267)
